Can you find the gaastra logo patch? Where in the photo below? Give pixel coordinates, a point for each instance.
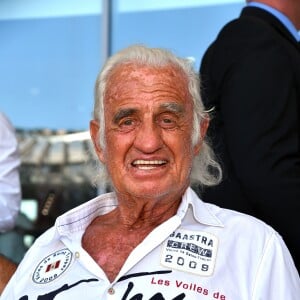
(52, 266)
(190, 251)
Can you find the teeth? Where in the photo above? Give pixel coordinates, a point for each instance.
(146, 167)
(142, 162)
(148, 164)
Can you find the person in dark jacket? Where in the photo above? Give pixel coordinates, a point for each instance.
(251, 78)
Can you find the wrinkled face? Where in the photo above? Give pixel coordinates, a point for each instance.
(148, 128)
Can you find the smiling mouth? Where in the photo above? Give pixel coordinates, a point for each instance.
(148, 164)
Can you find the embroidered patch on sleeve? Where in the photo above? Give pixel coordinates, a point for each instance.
(190, 251)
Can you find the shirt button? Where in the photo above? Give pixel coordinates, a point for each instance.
(77, 254)
(111, 291)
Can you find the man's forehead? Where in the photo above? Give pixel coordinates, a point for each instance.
(133, 85)
(137, 71)
(126, 77)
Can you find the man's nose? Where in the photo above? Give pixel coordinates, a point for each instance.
(148, 138)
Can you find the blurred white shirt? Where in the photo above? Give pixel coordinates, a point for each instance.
(10, 189)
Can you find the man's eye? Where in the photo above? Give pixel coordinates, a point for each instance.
(127, 124)
(167, 122)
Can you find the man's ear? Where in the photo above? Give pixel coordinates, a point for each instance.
(94, 132)
(203, 128)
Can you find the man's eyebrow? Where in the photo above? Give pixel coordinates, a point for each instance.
(172, 107)
(123, 113)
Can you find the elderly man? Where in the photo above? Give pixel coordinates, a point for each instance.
(153, 238)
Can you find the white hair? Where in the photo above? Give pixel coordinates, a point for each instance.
(206, 170)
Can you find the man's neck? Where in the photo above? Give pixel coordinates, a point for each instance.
(286, 7)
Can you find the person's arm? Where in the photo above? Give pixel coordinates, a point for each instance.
(10, 190)
(7, 269)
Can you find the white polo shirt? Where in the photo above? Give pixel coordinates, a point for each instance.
(203, 252)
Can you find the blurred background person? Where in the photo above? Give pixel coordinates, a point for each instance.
(10, 188)
(251, 76)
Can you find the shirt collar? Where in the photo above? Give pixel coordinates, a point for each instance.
(280, 16)
(80, 217)
(201, 210)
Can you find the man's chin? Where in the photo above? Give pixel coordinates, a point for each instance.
(154, 192)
